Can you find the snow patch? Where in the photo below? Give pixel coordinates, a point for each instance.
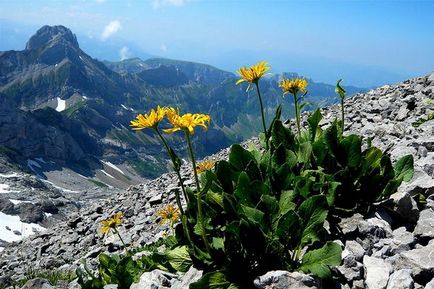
(127, 108)
(13, 175)
(114, 167)
(4, 189)
(61, 104)
(41, 160)
(107, 174)
(84, 96)
(48, 214)
(14, 224)
(16, 202)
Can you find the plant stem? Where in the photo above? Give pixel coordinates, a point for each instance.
(122, 240)
(262, 114)
(198, 193)
(297, 113)
(343, 114)
(178, 199)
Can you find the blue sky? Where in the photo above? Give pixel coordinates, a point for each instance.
(365, 42)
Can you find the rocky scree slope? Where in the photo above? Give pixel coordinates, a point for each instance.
(389, 249)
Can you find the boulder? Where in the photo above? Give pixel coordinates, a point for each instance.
(425, 224)
(401, 279)
(37, 283)
(377, 272)
(286, 280)
(155, 279)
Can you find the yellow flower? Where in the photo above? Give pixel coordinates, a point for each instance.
(168, 214)
(186, 121)
(111, 223)
(204, 166)
(254, 73)
(150, 120)
(293, 85)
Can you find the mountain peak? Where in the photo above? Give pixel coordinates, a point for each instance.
(48, 34)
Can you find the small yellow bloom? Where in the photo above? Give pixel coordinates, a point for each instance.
(150, 120)
(111, 223)
(293, 85)
(254, 73)
(205, 166)
(168, 214)
(186, 121)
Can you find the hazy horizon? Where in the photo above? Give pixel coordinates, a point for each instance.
(368, 43)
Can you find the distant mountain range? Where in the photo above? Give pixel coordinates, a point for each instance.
(60, 104)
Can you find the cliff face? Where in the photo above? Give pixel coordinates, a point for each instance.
(398, 239)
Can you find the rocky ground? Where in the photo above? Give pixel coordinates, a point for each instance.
(390, 249)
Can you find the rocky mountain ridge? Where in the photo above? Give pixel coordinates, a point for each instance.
(387, 250)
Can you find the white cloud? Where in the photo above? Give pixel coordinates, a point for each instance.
(160, 3)
(163, 47)
(124, 53)
(110, 29)
(100, 1)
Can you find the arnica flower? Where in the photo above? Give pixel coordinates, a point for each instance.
(205, 166)
(254, 73)
(111, 223)
(169, 214)
(186, 122)
(293, 85)
(150, 120)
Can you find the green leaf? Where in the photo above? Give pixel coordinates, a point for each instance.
(318, 261)
(179, 258)
(213, 280)
(404, 168)
(285, 202)
(252, 214)
(313, 122)
(313, 213)
(352, 145)
(304, 152)
(243, 188)
(218, 243)
(239, 157)
(340, 90)
(281, 135)
(287, 226)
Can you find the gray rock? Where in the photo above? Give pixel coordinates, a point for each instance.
(37, 283)
(7, 207)
(377, 272)
(351, 224)
(29, 213)
(156, 199)
(192, 275)
(402, 241)
(425, 224)
(353, 248)
(401, 279)
(421, 183)
(419, 260)
(375, 228)
(155, 279)
(286, 280)
(405, 206)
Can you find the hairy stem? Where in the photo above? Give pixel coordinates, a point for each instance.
(343, 115)
(297, 113)
(198, 193)
(122, 240)
(262, 114)
(178, 199)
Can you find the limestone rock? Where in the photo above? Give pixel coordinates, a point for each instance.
(377, 272)
(286, 280)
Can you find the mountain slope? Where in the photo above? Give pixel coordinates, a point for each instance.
(78, 109)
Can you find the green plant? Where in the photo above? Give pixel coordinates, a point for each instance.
(265, 209)
(422, 120)
(340, 91)
(123, 270)
(53, 276)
